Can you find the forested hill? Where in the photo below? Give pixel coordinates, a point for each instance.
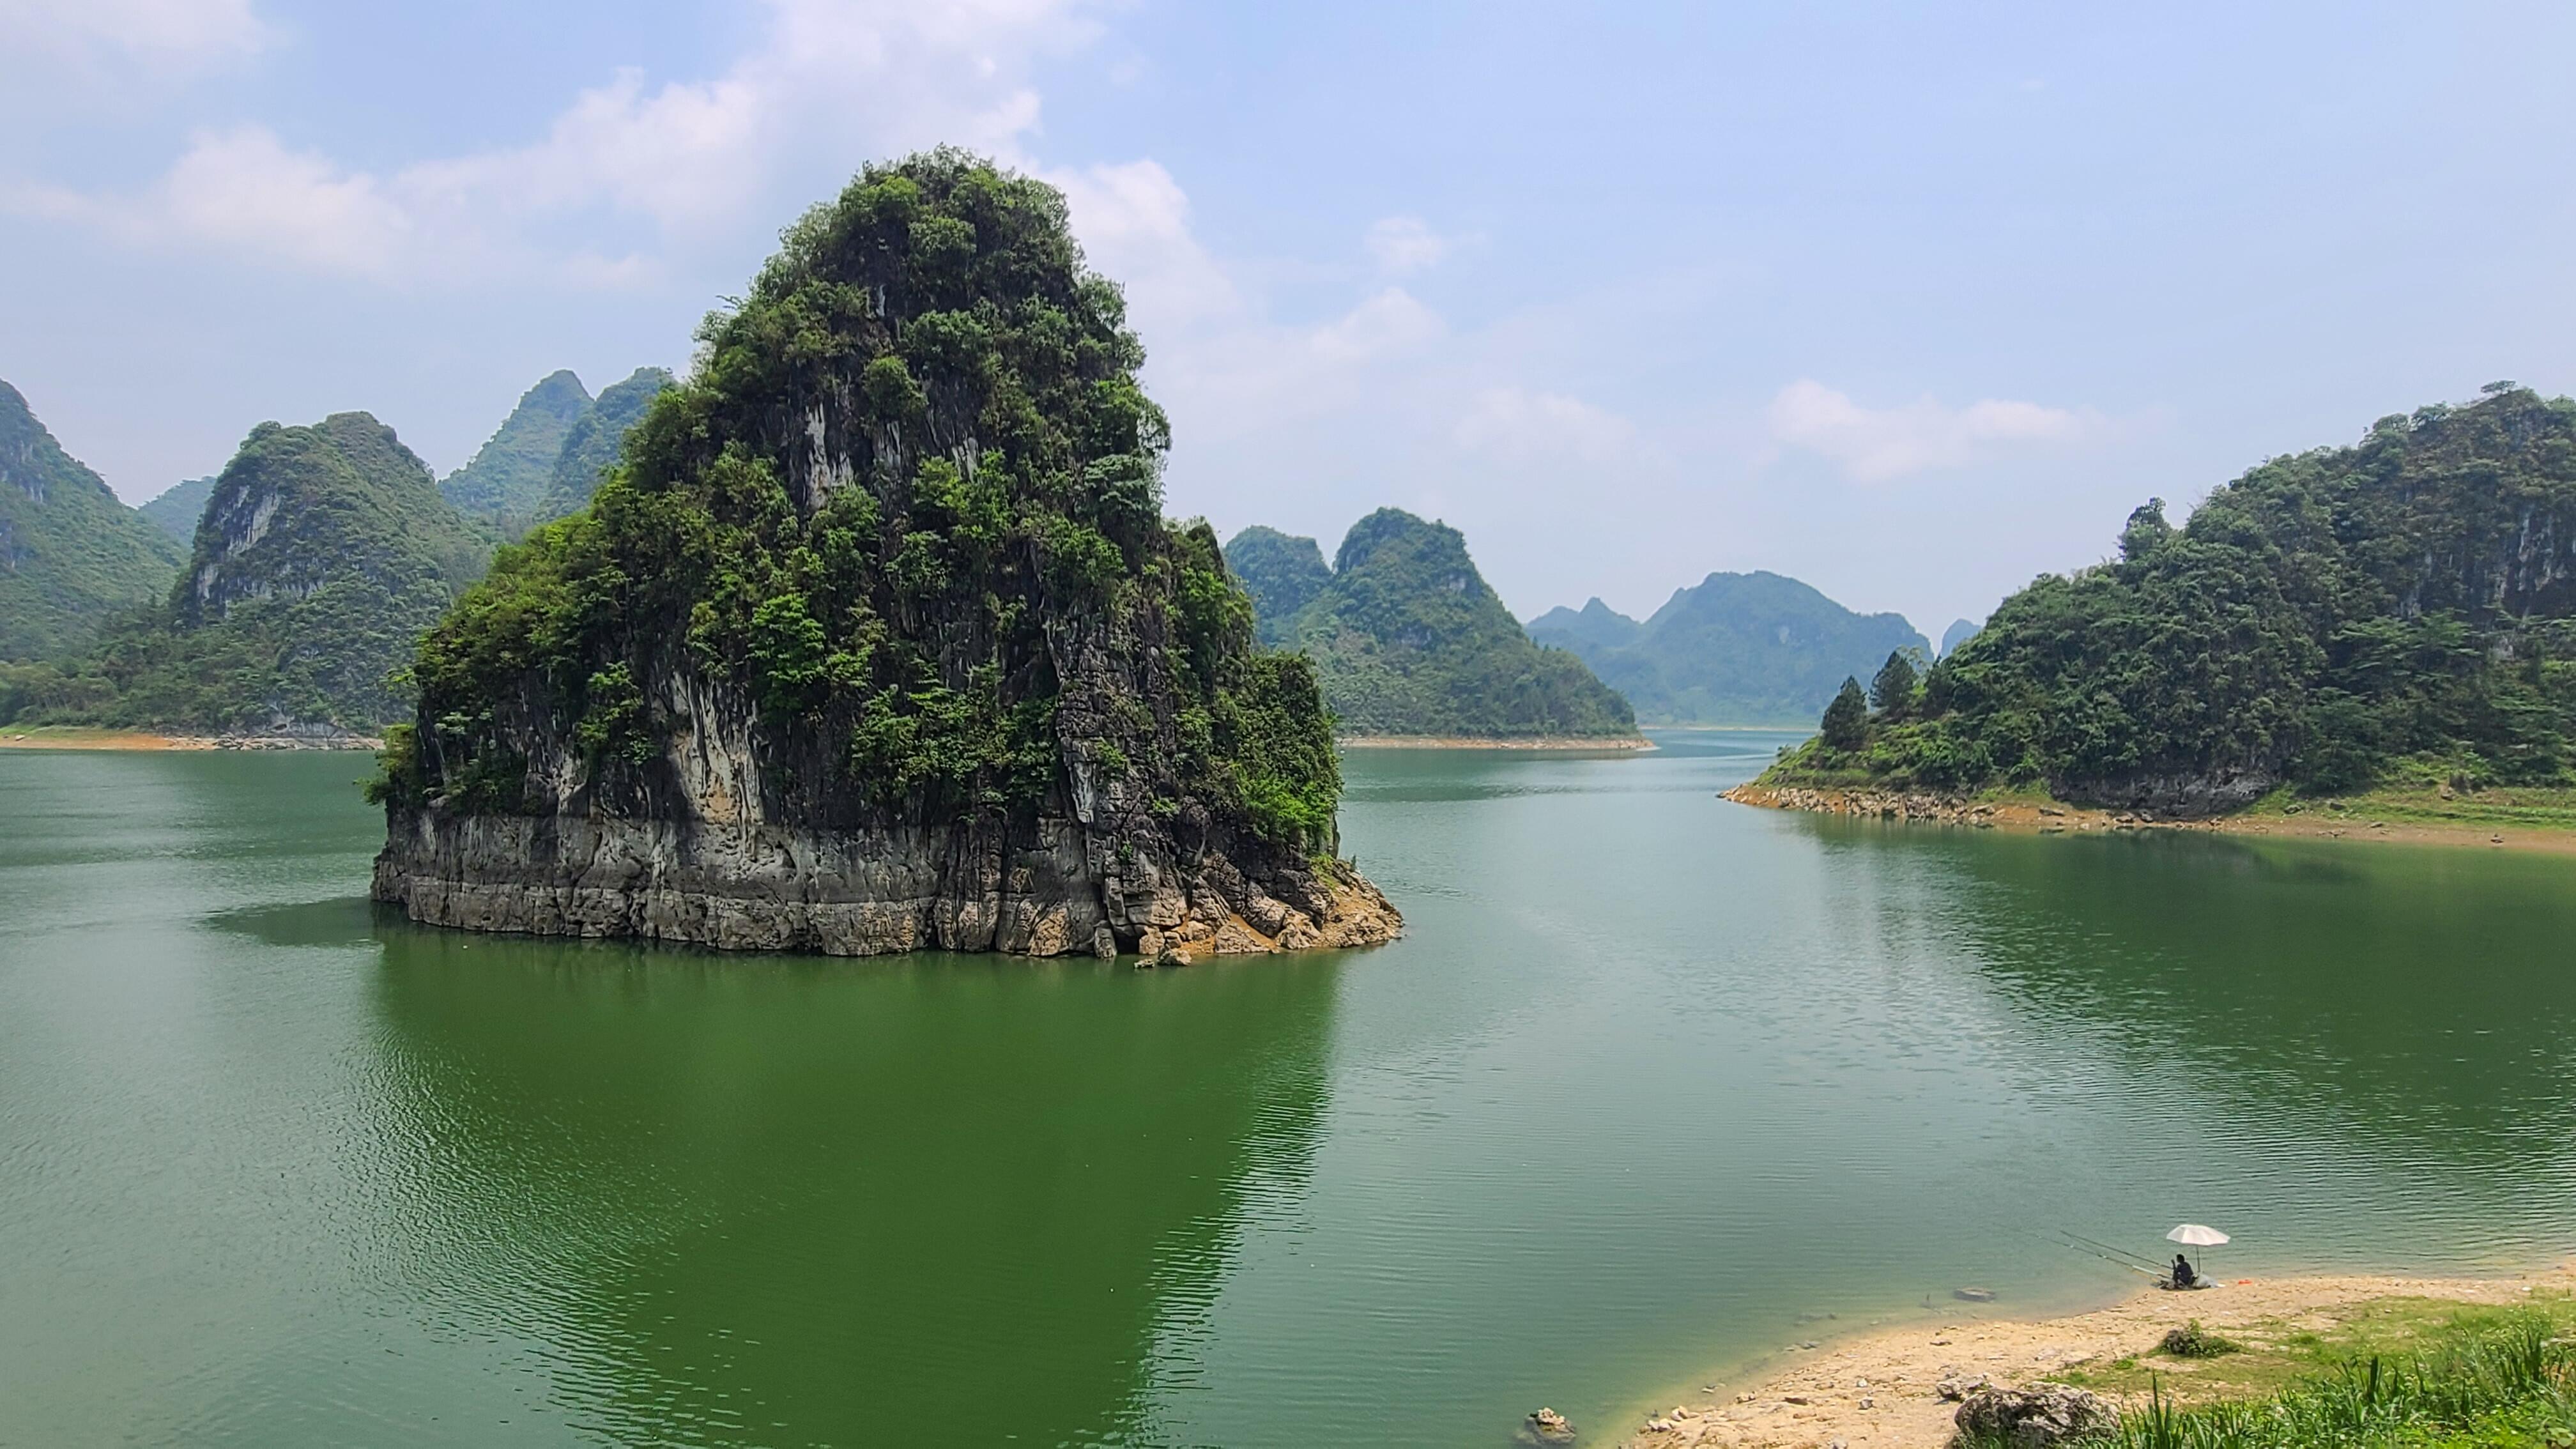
(1408, 638)
(323, 553)
(2396, 609)
(506, 481)
(1735, 649)
(592, 443)
(70, 553)
(178, 507)
(546, 459)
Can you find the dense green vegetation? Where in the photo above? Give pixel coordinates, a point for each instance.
(2331, 621)
(323, 554)
(905, 518)
(70, 553)
(2472, 1379)
(1410, 640)
(506, 482)
(1735, 649)
(590, 446)
(1283, 574)
(178, 507)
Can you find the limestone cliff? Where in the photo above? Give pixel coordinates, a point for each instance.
(879, 641)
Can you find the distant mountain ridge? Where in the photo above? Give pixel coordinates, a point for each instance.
(1408, 639)
(1734, 649)
(507, 479)
(323, 553)
(545, 459)
(178, 507)
(71, 554)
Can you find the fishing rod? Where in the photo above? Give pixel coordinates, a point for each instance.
(2103, 1247)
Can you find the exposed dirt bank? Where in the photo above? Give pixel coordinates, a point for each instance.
(2326, 822)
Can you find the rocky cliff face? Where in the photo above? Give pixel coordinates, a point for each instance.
(879, 642)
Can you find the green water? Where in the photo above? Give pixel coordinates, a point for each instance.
(1654, 1083)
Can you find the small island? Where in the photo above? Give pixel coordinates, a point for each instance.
(877, 640)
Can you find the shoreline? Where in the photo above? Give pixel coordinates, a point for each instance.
(1879, 1384)
(1606, 745)
(59, 737)
(2031, 816)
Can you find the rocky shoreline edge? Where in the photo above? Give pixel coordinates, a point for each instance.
(2043, 817)
(1050, 890)
(146, 740)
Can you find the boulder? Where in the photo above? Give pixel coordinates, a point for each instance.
(2034, 1418)
(1547, 1427)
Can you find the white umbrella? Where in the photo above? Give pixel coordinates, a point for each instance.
(2196, 1235)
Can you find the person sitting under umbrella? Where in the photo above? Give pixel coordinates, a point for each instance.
(2183, 1277)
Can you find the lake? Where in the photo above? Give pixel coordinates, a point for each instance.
(1653, 1085)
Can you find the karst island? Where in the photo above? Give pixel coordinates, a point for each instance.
(877, 640)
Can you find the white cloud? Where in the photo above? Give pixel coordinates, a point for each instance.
(1519, 427)
(832, 83)
(1877, 444)
(1134, 223)
(39, 39)
(1406, 244)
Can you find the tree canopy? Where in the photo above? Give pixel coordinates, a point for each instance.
(2323, 620)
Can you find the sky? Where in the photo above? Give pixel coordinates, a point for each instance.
(1913, 303)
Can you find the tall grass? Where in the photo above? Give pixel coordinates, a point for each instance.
(2518, 1367)
(2509, 1382)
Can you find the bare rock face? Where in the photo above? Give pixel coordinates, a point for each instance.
(2033, 1418)
(757, 887)
(721, 858)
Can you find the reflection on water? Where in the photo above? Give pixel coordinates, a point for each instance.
(834, 1203)
(1655, 1083)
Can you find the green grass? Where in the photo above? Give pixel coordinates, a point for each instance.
(2395, 1374)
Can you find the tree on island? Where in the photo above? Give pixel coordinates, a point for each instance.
(1892, 692)
(1846, 722)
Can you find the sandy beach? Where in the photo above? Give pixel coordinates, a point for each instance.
(1881, 1386)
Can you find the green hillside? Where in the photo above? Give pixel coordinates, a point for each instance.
(1735, 649)
(1281, 572)
(592, 443)
(1408, 639)
(323, 554)
(177, 508)
(508, 478)
(70, 553)
(2404, 608)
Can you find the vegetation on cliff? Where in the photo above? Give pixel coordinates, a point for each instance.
(323, 553)
(1736, 649)
(905, 518)
(2330, 620)
(1409, 639)
(71, 555)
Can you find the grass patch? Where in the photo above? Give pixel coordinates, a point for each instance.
(2393, 1374)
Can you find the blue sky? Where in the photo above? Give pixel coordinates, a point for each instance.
(1910, 302)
